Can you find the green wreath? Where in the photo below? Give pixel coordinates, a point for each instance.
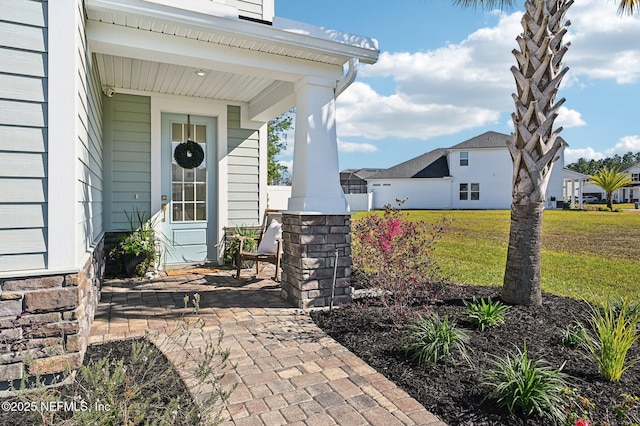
(188, 154)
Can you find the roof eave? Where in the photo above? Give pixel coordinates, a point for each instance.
(285, 33)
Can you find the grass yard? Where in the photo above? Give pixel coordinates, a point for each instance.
(586, 254)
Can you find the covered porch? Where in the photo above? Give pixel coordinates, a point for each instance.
(198, 70)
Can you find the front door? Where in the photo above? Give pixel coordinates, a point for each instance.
(189, 194)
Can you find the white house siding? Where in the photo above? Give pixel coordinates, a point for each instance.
(259, 9)
(127, 158)
(492, 169)
(23, 135)
(243, 171)
(420, 193)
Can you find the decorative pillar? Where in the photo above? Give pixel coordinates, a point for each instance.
(315, 185)
(317, 224)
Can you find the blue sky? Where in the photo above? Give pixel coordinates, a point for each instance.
(443, 77)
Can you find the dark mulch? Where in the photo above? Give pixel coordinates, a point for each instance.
(452, 391)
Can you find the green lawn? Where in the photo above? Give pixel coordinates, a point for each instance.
(585, 253)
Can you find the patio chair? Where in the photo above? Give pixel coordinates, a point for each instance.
(269, 244)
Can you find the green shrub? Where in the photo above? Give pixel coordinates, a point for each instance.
(526, 387)
(570, 336)
(483, 313)
(393, 256)
(432, 340)
(613, 330)
(250, 234)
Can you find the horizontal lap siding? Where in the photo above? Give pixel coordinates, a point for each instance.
(90, 178)
(23, 135)
(250, 8)
(243, 171)
(130, 157)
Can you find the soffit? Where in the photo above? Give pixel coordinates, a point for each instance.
(149, 76)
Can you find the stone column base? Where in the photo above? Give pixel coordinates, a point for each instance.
(309, 259)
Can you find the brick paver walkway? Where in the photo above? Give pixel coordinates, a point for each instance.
(289, 371)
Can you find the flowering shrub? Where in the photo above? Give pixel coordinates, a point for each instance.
(392, 255)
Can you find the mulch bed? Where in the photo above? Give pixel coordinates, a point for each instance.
(452, 391)
(171, 387)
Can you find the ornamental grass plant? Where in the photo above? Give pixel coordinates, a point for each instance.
(433, 340)
(485, 313)
(612, 330)
(526, 387)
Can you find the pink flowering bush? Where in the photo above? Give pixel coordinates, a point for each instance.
(392, 255)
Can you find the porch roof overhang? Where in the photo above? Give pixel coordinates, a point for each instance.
(152, 46)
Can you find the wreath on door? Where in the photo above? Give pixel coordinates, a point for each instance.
(189, 154)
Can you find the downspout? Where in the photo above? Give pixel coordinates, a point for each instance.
(348, 78)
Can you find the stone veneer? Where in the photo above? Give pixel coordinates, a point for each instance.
(45, 321)
(310, 243)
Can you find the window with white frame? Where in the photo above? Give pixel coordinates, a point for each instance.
(470, 191)
(464, 158)
(635, 177)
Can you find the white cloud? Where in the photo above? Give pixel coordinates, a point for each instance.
(356, 147)
(572, 155)
(569, 118)
(365, 113)
(468, 84)
(603, 43)
(624, 145)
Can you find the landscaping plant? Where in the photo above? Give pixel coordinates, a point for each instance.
(526, 387)
(570, 336)
(432, 340)
(613, 330)
(393, 255)
(487, 313)
(146, 388)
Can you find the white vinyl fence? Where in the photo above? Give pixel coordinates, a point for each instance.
(278, 198)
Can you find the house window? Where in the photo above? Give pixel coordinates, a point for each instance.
(189, 186)
(470, 191)
(464, 158)
(475, 191)
(635, 177)
(464, 191)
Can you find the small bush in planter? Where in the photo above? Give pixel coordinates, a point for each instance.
(138, 249)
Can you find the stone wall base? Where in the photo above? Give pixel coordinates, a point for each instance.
(45, 321)
(309, 259)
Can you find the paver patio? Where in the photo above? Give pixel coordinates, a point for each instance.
(288, 370)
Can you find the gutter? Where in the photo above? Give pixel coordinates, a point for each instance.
(348, 78)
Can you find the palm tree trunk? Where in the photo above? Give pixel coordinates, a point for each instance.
(523, 256)
(535, 143)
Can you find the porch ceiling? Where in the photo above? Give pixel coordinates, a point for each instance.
(150, 76)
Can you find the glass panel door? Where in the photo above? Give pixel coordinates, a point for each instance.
(188, 186)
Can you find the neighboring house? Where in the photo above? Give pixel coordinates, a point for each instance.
(475, 174)
(631, 193)
(95, 95)
(628, 194)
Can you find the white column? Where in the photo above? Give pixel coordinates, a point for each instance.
(573, 192)
(580, 205)
(316, 176)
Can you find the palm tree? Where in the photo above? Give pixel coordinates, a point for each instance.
(534, 143)
(610, 180)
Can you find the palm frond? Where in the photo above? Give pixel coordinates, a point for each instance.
(488, 4)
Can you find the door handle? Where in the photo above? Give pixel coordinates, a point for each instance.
(164, 212)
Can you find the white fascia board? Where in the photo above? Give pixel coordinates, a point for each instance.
(152, 46)
(284, 33)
